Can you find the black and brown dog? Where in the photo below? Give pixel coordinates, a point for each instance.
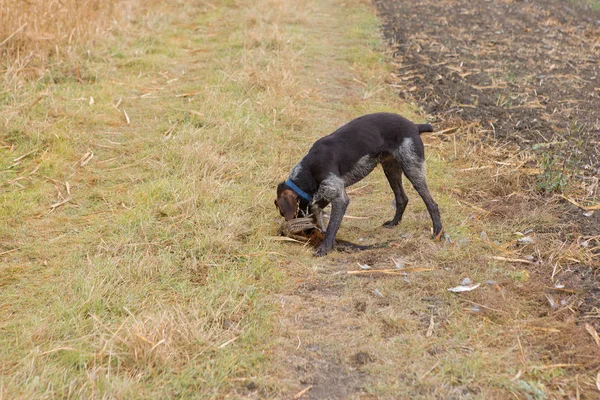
(348, 155)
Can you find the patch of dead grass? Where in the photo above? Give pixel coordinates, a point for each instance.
(34, 32)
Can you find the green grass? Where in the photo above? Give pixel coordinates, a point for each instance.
(593, 4)
(162, 253)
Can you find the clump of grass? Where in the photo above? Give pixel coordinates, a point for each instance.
(554, 177)
(39, 27)
(559, 162)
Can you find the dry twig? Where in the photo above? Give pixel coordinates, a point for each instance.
(302, 392)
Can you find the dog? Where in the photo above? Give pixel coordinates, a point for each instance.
(346, 156)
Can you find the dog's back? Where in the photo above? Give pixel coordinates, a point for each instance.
(369, 135)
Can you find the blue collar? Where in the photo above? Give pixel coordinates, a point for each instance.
(298, 191)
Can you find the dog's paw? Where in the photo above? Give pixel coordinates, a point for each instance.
(389, 224)
(321, 251)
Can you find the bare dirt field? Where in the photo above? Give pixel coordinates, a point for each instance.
(526, 71)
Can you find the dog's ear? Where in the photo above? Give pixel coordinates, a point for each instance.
(287, 203)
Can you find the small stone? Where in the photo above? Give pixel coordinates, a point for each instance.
(467, 282)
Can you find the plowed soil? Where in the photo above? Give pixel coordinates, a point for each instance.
(527, 71)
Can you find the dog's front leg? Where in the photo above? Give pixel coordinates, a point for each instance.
(338, 209)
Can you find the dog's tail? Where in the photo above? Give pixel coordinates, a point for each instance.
(424, 128)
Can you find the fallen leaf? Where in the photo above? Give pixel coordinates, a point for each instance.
(463, 288)
(526, 240)
(430, 328)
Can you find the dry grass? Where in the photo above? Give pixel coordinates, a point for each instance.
(524, 332)
(33, 33)
(136, 195)
(136, 210)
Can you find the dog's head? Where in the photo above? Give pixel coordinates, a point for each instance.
(286, 202)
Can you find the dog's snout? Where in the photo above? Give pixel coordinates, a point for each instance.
(287, 204)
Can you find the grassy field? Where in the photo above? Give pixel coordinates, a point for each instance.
(137, 223)
(138, 179)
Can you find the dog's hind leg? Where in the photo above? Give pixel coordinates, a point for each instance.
(393, 173)
(414, 169)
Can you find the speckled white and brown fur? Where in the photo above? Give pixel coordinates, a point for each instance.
(348, 155)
